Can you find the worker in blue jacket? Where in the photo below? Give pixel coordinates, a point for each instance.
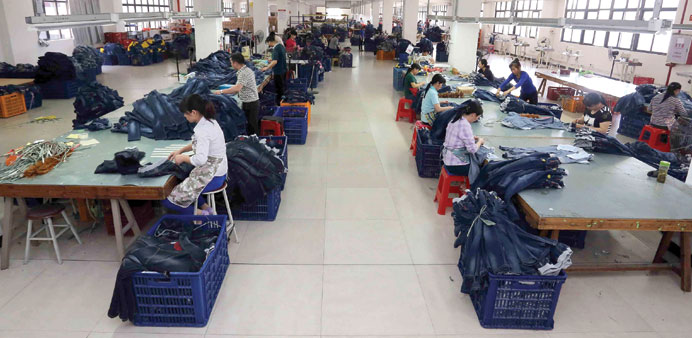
(522, 80)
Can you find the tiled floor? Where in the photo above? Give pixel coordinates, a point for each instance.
(357, 249)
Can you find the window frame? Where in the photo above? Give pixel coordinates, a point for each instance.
(146, 6)
(62, 34)
(530, 9)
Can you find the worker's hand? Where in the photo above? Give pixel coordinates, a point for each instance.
(264, 69)
(172, 156)
(579, 125)
(179, 159)
(497, 93)
(217, 92)
(481, 141)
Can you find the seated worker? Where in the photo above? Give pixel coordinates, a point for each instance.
(484, 69)
(665, 106)
(209, 159)
(597, 115)
(459, 140)
(426, 57)
(333, 48)
(410, 81)
(431, 102)
(523, 81)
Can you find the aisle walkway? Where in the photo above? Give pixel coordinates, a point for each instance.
(357, 250)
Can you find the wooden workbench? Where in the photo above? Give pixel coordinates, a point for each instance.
(15, 82)
(612, 90)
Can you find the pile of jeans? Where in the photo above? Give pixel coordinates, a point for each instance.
(426, 137)
(485, 95)
(20, 71)
(93, 101)
(155, 116)
(117, 53)
(632, 107)
(492, 243)
(125, 162)
(94, 125)
(254, 169)
(517, 105)
(176, 246)
(479, 79)
(180, 45)
(425, 45)
(88, 57)
(564, 152)
(312, 53)
(32, 94)
(326, 28)
(216, 70)
(434, 33)
(648, 91)
(401, 46)
(439, 126)
(55, 66)
(686, 102)
(387, 45)
(298, 96)
(596, 142)
(516, 121)
(507, 178)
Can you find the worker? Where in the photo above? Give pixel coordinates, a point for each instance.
(333, 48)
(410, 81)
(246, 87)
(459, 140)
(209, 159)
(425, 58)
(431, 102)
(484, 69)
(277, 65)
(522, 80)
(597, 115)
(291, 41)
(665, 106)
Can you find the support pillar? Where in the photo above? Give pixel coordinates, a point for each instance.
(387, 13)
(464, 38)
(208, 32)
(260, 19)
(410, 23)
(282, 15)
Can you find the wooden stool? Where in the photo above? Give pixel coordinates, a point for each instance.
(230, 226)
(46, 212)
(419, 125)
(403, 112)
(445, 186)
(656, 138)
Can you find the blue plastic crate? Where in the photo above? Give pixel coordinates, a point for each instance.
(297, 85)
(398, 78)
(295, 123)
(183, 298)
(283, 153)
(123, 59)
(263, 210)
(157, 57)
(110, 60)
(428, 159)
(33, 100)
(59, 89)
(518, 302)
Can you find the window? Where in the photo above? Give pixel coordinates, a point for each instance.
(440, 10)
(189, 5)
(146, 6)
(523, 9)
(56, 7)
(619, 10)
(422, 13)
(227, 5)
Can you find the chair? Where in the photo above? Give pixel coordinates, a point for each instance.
(447, 185)
(270, 128)
(212, 203)
(45, 213)
(656, 138)
(403, 112)
(418, 125)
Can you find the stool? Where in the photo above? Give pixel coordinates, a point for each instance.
(230, 226)
(403, 112)
(271, 128)
(445, 186)
(656, 138)
(419, 125)
(45, 213)
(414, 91)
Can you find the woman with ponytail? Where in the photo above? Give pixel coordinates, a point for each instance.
(410, 81)
(277, 64)
(522, 80)
(431, 102)
(209, 159)
(665, 106)
(459, 139)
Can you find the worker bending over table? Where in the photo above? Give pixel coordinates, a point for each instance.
(522, 80)
(209, 159)
(431, 102)
(459, 140)
(246, 87)
(597, 115)
(410, 81)
(484, 69)
(666, 106)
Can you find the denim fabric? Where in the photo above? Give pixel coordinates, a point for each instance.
(425, 45)
(401, 46)
(161, 115)
(513, 104)
(21, 70)
(32, 94)
(253, 170)
(216, 70)
(434, 33)
(93, 101)
(55, 66)
(458, 170)
(648, 91)
(565, 153)
(87, 56)
(297, 96)
(439, 126)
(480, 80)
(630, 104)
(514, 120)
(125, 162)
(165, 167)
(95, 125)
(485, 95)
(686, 102)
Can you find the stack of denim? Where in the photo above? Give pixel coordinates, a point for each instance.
(93, 101)
(519, 106)
(686, 102)
(480, 80)
(485, 95)
(298, 96)
(492, 243)
(648, 91)
(434, 33)
(155, 116)
(95, 125)
(216, 69)
(564, 152)
(32, 94)
(425, 45)
(387, 45)
(507, 178)
(20, 71)
(516, 121)
(253, 170)
(88, 57)
(55, 66)
(117, 53)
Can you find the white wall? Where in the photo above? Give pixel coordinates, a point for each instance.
(19, 45)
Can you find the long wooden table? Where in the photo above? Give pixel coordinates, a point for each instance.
(15, 82)
(611, 89)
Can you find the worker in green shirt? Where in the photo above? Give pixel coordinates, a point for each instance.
(410, 81)
(277, 65)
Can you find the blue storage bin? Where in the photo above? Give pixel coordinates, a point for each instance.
(295, 123)
(428, 159)
(141, 60)
(263, 210)
(183, 298)
(518, 302)
(110, 60)
(310, 73)
(33, 100)
(59, 89)
(398, 78)
(297, 84)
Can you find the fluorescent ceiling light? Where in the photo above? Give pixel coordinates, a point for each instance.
(538, 22)
(135, 17)
(48, 22)
(629, 26)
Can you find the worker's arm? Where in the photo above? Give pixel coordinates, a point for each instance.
(602, 127)
(439, 109)
(499, 89)
(269, 66)
(231, 90)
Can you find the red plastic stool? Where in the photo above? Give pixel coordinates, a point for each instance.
(419, 125)
(656, 138)
(271, 128)
(403, 112)
(446, 186)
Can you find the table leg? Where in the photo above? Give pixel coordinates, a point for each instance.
(555, 234)
(6, 234)
(543, 233)
(131, 221)
(541, 87)
(663, 246)
(118, 227)
(685, 262)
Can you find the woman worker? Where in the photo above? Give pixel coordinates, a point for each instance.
(410, 81)
(209, 159)
(459, 140)
(597, 115)
(665, 106)
(484, 69)
(431, 102)
(523, 81)
(277, 65)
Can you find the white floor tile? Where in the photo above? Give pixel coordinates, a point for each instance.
(365, 242)
(305, 203)
(296, 241)
(360, 204)
(43, 334)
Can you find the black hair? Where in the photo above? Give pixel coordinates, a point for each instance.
(592, 99)
(515, 63)
(484, 62)
(413, 66)
(271, 37)
(670, 91)
(239, 58)
(467, 108)
(196, 102)
(438, 78)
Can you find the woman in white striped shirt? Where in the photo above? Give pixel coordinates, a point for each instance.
(665, 106)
